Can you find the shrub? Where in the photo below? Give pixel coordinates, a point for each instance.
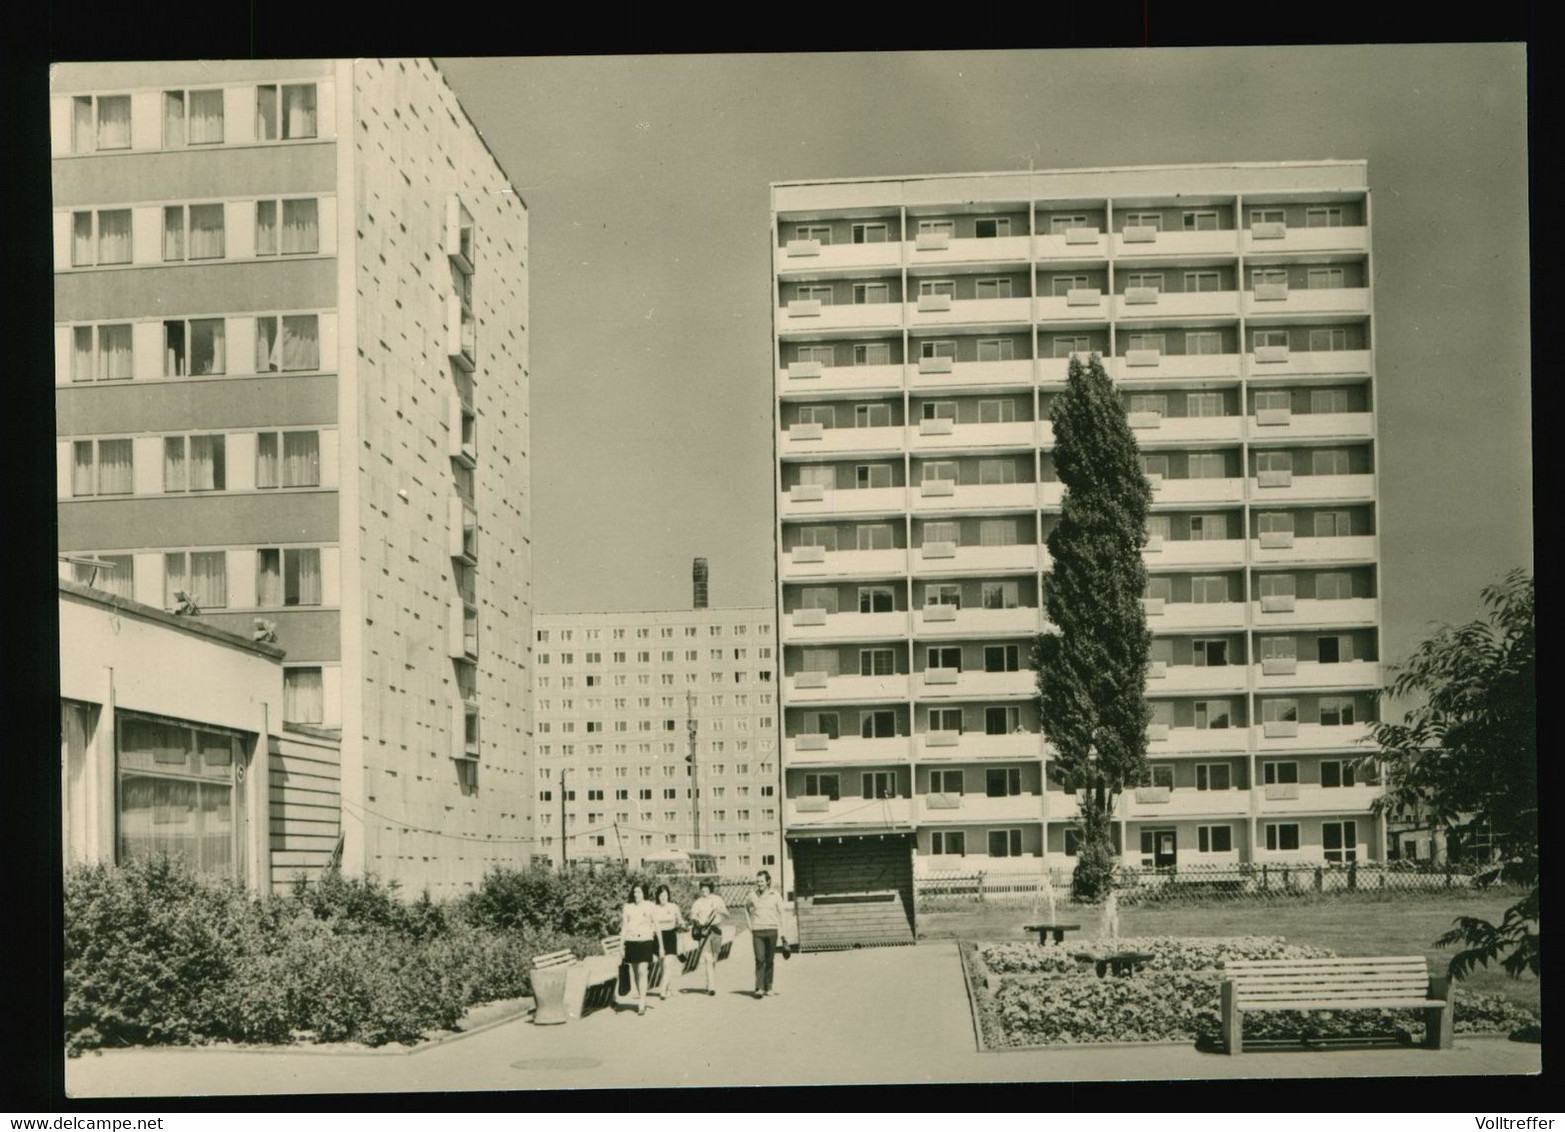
(580, 900)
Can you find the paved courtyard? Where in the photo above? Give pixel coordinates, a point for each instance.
(880, 1016)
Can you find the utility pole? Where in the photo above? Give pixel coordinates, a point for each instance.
(564, 770)
(620, 841)
(695, 777)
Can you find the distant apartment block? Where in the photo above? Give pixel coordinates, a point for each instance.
(292, 383)
(923, 327)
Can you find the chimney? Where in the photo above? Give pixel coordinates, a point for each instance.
(698, 578)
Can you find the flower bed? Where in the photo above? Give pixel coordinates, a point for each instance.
(1028, 994)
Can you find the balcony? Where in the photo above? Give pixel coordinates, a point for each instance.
(1156, 430)
(856, 814)
(1169, 492)
(1175, 367)
(1351, 548)
(1177, 305)
(1310, 240)
(1313, 674)
(1283, 362)
(797, 503)
(1314, 426)
(1313, 737)
(1316, 489)
(972, 312)
(813, 256)
(1196, 740)
(1305, 798)
(807, 626)
(929, 497)
(1350, 302)
(947, 621)
(803, 563)
(968, 375)
(953, 684)
(849, 750)
(1073, 243)
(1179, 244)
(950, 809)
(1183, 679)
(813, 316)
(1154, 803)
(1331, 614)
(945, 436)
(1176, 615)
(803, 440)
(819, 688)
(977, 746)
(1196, 552)
(996, 250)
(806, 379)
(1087, 304)
(949, 560)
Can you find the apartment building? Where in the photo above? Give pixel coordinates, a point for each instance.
(922, 328)
(623, 701)
(292, 401)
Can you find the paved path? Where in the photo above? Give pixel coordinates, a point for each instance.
(891, 1015)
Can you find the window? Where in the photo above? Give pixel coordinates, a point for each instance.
(1334, 650)
(289, 577)
(992, 289)
(1329, 462)
(947, 843)
(1160, 526)
(996, 350)
(877, 662)
(201, 574)
(1154, 464)
(1208, 528)
(872, 354)
(942, 532)
(1336, 773)
(879, 784)
(1002, 782)
(937, 227)
(871, 293)
(1336, 711)
(947, 657)
(1002, 658)
(819, 232)
(1203, 342)
(192, 232)
(287, 342)
(300, 229)
(1149, 403)
(996, 412)
(945, 719)
(1000, 595)
(1073, 837)
(1066, 345)
(1325, 278)
(1323, 217)
(876, 599)
(1333, 585)
(872, 536)
(102, 467)
(946, 782)
(1279, 648)
(1271, 339)
(1160, 775)
(1144, 220)
(1209, 652)
(939, 411)
(1266, 216)
(935, 471)
(996, 471)
(821, 785)
(1213, 715)
(1273, 401)
(1328, 338)
(101, 353)
(1282, 836)
(1147, 280)
(813, 292)
(878, 725)
(1155, 342)
(1002, 720)
(870, 233)
(1005, 843)
(1268, 277)
(943, 593)
(1061, 222)
(285, 112)
(825, 355)
(100, 238)
(1160, 588)
(194, 463)
(100, 122)
(1280, 711)
(990, 227)
(1207, 466)
(1203, 404)
(1279, 773)
(1062, 285)
(116, 575)
(194, 347)
(192, 117)
(823, 537)
(176, 794)
(928, 287)
(1339, 840)
(1273, 461)
(1214, 838)
(1328, 401)
(304, 699)
(1206, 589)
(871, 416)
(1204, 220)
(872, 476)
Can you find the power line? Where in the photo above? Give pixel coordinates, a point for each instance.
(409, 827)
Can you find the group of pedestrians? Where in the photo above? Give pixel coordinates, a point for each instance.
(650, 931)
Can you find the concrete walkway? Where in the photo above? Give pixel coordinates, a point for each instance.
(879, 1016)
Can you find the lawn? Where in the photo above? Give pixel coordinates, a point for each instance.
(1348, 925)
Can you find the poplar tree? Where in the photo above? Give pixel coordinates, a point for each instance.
(1092, 667)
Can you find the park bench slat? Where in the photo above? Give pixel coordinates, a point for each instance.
(1323, 964)
(1352, 979)
(553, 959)
(1342, 1004)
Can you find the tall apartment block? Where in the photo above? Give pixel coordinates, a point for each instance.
(292, 394)
(623, 701)
(923, 327)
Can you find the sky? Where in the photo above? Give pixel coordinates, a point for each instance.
(647, 182)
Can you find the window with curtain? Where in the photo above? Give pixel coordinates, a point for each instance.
(298, 116)
(208, 346)
(177, 794)
(207, 470)
(174, 233)
(301, 344)
(83, 133)
(114, 236)
(116, 576)
(205, 117)
(101, 467)
(173, 119)
(114, 122)
(174, 468)
(301, 459)
(266, 113)
(114, 352)
(288, 577)
(206, 231)
(266, 227)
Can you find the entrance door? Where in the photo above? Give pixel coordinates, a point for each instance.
(1164, 849)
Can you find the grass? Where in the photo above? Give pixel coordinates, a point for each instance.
(1348, 925)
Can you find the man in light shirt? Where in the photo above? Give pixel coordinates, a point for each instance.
(763, 912)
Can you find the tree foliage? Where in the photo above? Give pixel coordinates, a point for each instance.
(1092, 668)
(1466, 757)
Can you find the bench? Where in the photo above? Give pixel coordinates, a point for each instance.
(1391, 983)
(1056, 930)
(1122, 963)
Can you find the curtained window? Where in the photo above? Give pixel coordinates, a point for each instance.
(174, 233)
(101, 468)
(301, 234)
(114, 122)
(174, 477)
(83, 135)
(114, 236)
(304, 699)
(83, 356)
(81, 239)
(114, 352)
(267, 468)
(286, 114)
(206, 117)
(177, 794)
(301, 345)
(208, 346)
(288, 577)
(173, 119)
(268, 345)
(206, 231)
(301, 459)
(266, 227)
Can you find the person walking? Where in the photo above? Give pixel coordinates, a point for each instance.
(706, 916)
(638, 934)
(763, 912)
(668, 920)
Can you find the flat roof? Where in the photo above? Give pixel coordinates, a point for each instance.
(190, 625)
(1316, 164)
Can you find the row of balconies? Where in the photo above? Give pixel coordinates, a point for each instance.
(1086, 307)
(805, 379)
(1075, 244)
(807, 439)
(946, 559)
(940, 497)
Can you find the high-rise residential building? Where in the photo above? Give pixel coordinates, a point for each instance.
(657, 731)
(923, 326)
(292, 400)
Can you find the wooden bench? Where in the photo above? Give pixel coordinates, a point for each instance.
(1391, 983)
(1122, 963)
(1056, 930)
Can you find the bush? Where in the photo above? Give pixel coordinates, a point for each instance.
(580, 900)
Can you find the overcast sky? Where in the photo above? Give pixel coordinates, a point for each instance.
(647, 183)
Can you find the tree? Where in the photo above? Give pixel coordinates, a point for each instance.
(1466, 756)
(1092, 669)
